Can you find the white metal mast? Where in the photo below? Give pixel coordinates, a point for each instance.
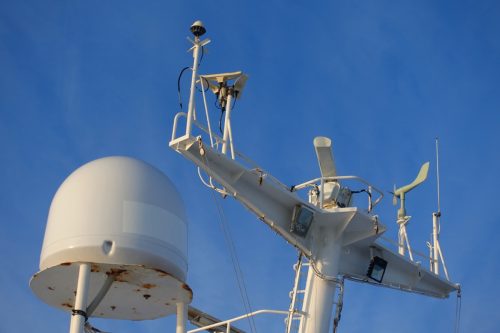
(338, 240)
(436, 254)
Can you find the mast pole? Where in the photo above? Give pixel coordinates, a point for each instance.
(181, 318)
(435, 241)
(196, 56)
(227, 137)
(79, 315)
(198, 30)
(435, 218)
(321, 283)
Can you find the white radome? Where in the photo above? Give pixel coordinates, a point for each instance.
(117, 210)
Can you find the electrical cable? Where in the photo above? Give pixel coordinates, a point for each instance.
(202, 54)
(236, 264)
(179, 85)
(234, 258)
(208, 85)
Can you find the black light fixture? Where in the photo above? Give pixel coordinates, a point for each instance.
(301, 220)
(376, 269)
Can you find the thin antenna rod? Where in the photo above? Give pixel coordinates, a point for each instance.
(437, 177)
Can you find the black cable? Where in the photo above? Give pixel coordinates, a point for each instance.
(208, 85)
(361, 191)
(179, 85)
(234, 103)
(202, 54)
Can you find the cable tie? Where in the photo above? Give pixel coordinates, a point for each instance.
(82, 313)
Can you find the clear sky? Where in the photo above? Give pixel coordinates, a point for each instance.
(81, 80)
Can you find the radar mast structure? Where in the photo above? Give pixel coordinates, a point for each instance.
(339, 241)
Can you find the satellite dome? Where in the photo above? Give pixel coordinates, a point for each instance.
(126, 219)
(117, 210)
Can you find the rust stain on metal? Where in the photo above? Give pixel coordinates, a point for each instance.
(119, 274)
(146, 296)
(137, 290)
(35, 276)
(66, 264)
(95, 268)
(167, 304)
(50, 288)
(67, 305)
(186, 287)
(161, 273)
(112, 307)
(148, 285)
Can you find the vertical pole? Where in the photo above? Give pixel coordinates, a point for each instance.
(227, 120)
(401, 249)
(320, 290)
(78, 317)
(196, 55)
(402, 224)
(181, 318)
(435, 240)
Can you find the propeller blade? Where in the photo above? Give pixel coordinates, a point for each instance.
(323, 147)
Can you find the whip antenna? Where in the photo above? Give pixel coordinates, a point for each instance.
(437, 176)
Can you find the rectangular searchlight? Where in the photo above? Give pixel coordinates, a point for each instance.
(376, 269)
(301, 220)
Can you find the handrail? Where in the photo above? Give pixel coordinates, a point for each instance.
(322, 180)
(414, 252)
(218, 139)
(229, 321)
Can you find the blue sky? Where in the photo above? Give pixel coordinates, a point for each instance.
(86, 79)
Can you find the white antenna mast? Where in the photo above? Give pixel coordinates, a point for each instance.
(436, 254)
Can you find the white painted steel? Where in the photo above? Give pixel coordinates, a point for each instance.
(339, 242)
(227, 126)
(320, 289)
(196, 58)
(77, 319)
(245, 316)
(181, 318)
(435, 242)
(323, 147)
(292, 309)
(117, 210)
(136, 292)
